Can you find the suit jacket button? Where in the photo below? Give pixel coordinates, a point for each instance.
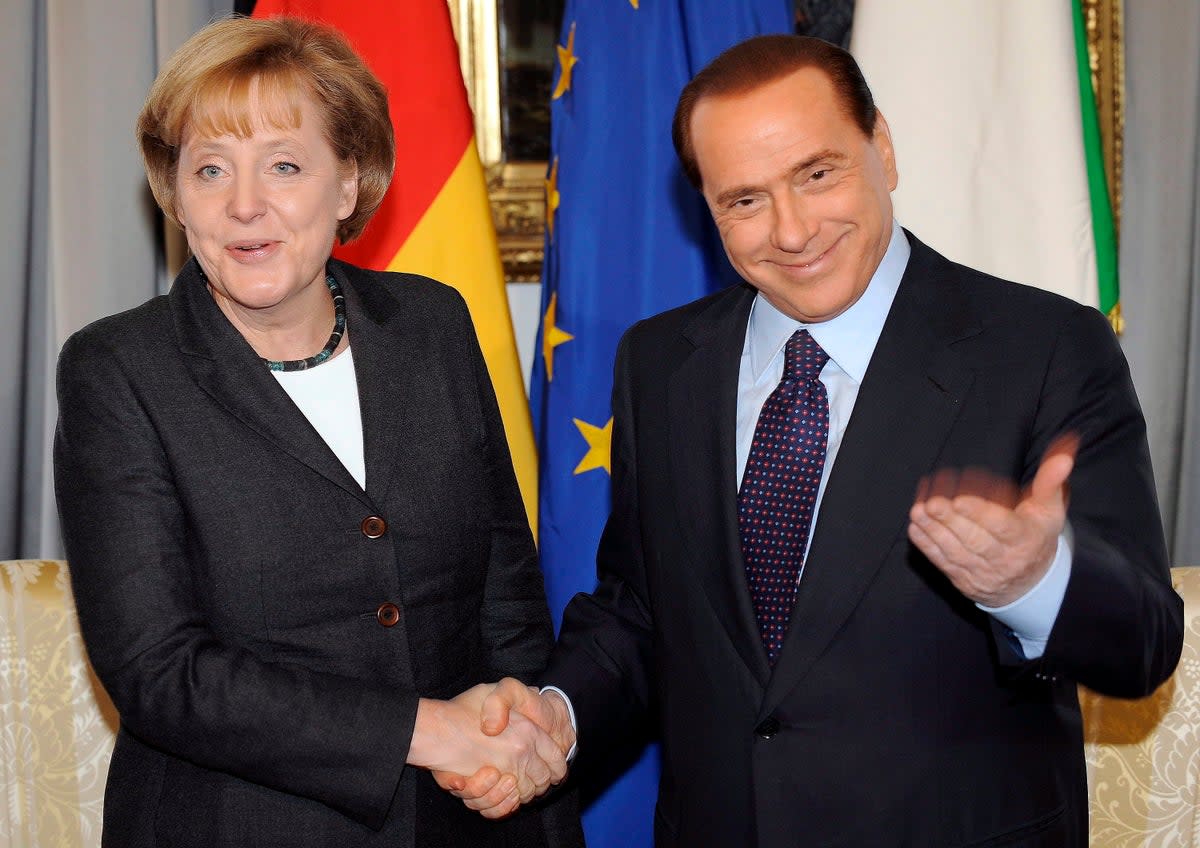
(388, 614)
(373, 526)
(767, 728)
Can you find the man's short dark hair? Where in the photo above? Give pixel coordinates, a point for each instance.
(765, 59)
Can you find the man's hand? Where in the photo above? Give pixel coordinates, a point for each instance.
(993, 542)
(548, 711)
(508, 768)
(510, 704)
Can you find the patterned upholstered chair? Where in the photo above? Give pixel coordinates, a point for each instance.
(56, 723)
(1143, 756)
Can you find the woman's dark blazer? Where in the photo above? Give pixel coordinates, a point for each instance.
(263, 625)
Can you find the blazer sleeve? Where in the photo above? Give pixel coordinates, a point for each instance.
(1120, 627)
(178, 688)
(514, 617)
(604, 656)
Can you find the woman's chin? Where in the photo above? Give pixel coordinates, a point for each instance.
(262, 294)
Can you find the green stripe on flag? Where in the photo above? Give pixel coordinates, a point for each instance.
(1102, 214)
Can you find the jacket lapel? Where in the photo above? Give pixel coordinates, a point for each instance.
(702, 416)
(909, 400)
(384, 365)
(228, 370)
(402, 385)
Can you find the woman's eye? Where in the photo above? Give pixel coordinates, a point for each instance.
(819, 175)
(285, 168)
(210, 171)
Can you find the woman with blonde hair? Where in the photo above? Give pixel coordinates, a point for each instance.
(294, 530)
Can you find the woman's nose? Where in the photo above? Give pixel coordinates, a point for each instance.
(247, 201)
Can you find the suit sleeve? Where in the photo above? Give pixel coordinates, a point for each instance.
(177, 687)
(1120, 627)
(604, 656)
(514, 617)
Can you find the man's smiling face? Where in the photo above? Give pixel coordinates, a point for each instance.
(801, 196)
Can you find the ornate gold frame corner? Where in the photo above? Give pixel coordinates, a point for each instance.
(516, 189)
(1104, 23)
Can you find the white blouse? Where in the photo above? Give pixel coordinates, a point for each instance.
(328, 397)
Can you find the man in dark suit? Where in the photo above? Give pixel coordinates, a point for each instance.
(969, 457)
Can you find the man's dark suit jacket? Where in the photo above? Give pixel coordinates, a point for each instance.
(231, 590)
(898, 714)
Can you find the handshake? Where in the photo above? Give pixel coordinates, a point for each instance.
(495, 746)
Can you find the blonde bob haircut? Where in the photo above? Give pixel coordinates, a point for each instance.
(238, 74)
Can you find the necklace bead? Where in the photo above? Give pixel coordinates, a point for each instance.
(335, 338)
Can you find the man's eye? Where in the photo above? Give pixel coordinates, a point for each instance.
(819, 175)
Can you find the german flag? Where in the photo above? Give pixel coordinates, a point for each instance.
(435, 219)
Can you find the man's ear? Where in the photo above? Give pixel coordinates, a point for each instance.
(882, 141)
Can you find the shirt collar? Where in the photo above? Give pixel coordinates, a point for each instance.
(850, 338)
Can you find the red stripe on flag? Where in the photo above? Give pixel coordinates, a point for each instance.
(410, 46)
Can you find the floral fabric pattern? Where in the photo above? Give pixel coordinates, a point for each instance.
(1143, 756)
(56, 724)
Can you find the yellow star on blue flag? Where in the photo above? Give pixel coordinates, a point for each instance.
(552, 336)
(566, 64)
(553, 198)
(599, 452)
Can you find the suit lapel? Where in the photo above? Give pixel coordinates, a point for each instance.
(384, 365)
(228, 370)
(399, 362)
(702, 416)
(910, 398)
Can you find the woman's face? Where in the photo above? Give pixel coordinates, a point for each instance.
(260, 212)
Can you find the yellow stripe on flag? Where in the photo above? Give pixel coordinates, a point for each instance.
(455, 242)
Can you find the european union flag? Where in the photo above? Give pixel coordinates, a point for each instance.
(626, 237)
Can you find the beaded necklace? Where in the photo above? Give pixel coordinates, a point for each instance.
(335, 338)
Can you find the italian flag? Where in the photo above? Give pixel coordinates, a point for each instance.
(994, 124)
(435, 219)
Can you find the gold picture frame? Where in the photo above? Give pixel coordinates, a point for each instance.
(1104, 23)
(517, 189)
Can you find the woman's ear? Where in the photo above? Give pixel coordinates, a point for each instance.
(349, 189)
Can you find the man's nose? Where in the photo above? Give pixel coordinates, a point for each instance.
(795, 223)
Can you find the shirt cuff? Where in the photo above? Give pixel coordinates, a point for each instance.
(1031, 617)
(570, 714)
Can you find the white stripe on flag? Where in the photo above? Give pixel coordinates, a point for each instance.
(982, 100)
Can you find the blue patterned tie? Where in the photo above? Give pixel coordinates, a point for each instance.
(779, 487)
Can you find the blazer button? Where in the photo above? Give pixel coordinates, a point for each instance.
(388, 614)
(373, 526)
(767, 728)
